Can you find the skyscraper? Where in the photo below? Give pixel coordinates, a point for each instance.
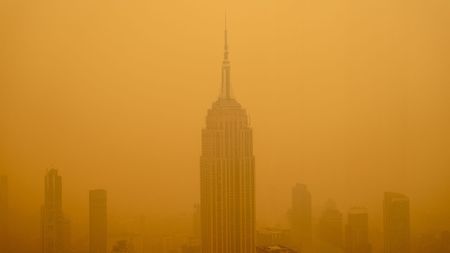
(357, 231)
(330, 226)
(396, 223)
(55, 228)
(227, 168)
(301, 223)
(3, 214)
(97, 221)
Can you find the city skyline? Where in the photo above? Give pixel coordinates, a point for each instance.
(381, 159)
(348, 102)
(331, 234)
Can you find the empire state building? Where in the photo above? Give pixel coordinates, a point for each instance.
(227, 169)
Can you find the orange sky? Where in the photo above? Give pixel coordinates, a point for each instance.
(350, 97)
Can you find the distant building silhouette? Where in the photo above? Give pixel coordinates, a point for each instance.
(191, 246)
(272, 236)
(4, 214)
(227, 175)
(301, 221)
(331, 226)
(396, 223)
(357, 231)
(98, 222)
(445, 242)
(55, 227)
(433, 243)
(131, 230)
(274, 249)
(121, 247)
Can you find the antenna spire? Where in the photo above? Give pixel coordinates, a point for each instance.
(226, 85)
(226, 37)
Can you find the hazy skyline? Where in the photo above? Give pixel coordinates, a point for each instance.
(349, 98)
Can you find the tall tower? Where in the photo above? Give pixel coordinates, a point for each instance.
(396, 223)
(3, 214)
(97, 222)
(227, 168)
(55, 228)
(357, 231)
(301, 221)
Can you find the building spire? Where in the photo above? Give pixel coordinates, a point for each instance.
(226, 39)
(226, 85)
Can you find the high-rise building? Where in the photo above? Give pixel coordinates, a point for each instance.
(330, 226)
(3, 214)
(357, 231)
(97, 222)
(55, 227)
(227, 168)
(396, 223)
(301, 221)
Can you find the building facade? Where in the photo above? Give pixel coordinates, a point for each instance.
(54, 226)
(98, 227)
(301, 220)
(396, 223)
(357, 231)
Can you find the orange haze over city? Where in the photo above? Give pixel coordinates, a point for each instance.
(351, 98)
